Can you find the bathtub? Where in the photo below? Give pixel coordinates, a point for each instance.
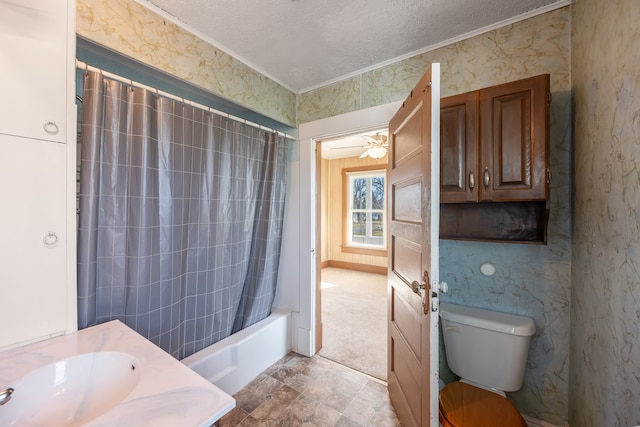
(235, 361)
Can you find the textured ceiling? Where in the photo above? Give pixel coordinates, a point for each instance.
(304, 44)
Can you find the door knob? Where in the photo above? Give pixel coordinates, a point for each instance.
(441, 287)
(425, 286)
(416, 287)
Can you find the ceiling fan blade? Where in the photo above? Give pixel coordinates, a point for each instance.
(376, 139)
(370, 139)
(365, 154)
(350, 146)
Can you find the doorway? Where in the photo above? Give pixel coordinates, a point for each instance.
(308, 328)
(354, 320)
(351, 248)
(304, 294)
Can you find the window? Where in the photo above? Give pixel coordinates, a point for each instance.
(365, 209)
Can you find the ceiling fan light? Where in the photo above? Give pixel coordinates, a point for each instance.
(377, 152)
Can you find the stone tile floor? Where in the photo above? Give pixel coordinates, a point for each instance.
(311, 391)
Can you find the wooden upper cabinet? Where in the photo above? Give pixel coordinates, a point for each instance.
(458, 148)
(514, 140)
(494, 143)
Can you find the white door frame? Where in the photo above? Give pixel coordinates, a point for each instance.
(348, 123)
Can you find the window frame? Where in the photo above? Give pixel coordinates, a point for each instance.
(356, 248)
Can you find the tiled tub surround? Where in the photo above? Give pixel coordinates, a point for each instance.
(166, 393)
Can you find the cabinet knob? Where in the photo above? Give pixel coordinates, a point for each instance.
(486, 178)
(51, 128)
(472, 180)
(50, 239)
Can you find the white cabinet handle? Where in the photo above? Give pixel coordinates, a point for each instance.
(51, 128)
(50, 239)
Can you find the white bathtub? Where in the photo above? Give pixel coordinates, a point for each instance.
(235, 361)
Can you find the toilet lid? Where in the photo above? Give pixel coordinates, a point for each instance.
(465, 405)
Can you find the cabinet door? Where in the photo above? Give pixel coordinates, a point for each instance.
(33, 229)
(458, 142)
(514, 141)
(33, 67)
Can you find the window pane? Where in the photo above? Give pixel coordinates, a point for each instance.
(359, 193)
(366, 208)
(377, 192)
(359, 226)
(377, 225)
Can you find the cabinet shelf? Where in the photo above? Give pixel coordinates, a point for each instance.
(511, 222)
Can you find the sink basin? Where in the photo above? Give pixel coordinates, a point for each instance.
(72, 391)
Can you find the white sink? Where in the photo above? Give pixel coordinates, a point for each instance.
(72, 391)
(105, 375)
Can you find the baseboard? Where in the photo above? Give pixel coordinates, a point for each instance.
(324, 264)
(357, 267)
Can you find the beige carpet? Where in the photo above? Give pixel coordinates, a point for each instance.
(354, 320)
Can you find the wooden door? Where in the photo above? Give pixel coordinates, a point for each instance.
(514, 123)
(414, 153)
(458, 142)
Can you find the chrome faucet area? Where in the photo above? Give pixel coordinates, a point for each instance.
(5, 395)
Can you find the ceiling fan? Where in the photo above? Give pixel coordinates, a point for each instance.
(376, 146)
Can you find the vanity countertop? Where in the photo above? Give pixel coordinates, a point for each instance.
(167, 394)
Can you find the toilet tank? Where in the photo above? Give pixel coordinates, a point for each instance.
(486, 347)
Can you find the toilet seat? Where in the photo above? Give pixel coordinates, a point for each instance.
(465, 405)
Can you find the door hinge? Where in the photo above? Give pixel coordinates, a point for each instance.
(549, 98)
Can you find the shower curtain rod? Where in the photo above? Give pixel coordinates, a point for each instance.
(86, 67)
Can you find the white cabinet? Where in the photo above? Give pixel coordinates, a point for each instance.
(34, 62)
(33, 239)
(37, 170)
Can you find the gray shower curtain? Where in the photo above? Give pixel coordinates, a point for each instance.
(181, 214)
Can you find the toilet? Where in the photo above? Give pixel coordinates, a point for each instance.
(488, 351)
